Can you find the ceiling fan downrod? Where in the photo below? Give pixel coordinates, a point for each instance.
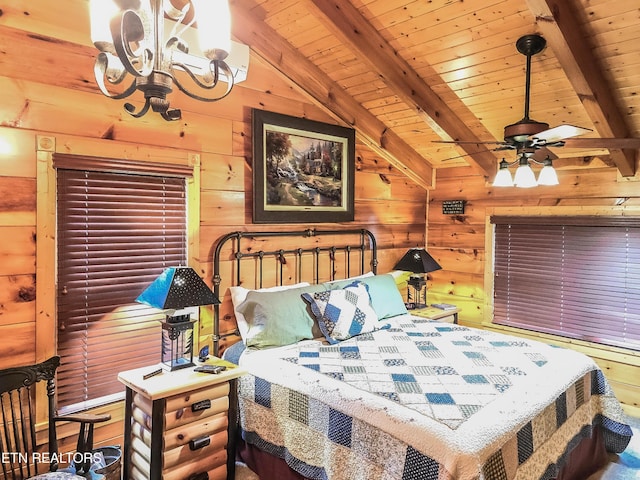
(516, 133)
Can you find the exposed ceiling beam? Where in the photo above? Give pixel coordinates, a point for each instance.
(328, 95)
(347, 23)
(571, 163)
(557, 22)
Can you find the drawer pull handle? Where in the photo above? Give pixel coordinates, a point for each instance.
(199, 476)
(200, 442)
(201, 405)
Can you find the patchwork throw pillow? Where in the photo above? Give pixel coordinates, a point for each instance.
(344, 312)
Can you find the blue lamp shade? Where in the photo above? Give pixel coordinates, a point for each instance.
(176, 288)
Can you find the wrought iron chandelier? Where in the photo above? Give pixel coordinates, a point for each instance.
(524, 176)
(130, 35)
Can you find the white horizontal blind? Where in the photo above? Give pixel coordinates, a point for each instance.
(116, 233)
(577, 278)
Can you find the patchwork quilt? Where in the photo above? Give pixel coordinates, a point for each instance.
(422, 400)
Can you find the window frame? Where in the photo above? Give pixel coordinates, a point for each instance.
(558, 211)
(46, 271)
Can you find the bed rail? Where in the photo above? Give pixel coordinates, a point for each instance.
(360, 242)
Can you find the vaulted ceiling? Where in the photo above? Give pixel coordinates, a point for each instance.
(409, 75)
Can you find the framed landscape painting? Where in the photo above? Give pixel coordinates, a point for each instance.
(303, 171)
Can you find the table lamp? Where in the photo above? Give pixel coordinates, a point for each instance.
(418, 262)
(177, 288)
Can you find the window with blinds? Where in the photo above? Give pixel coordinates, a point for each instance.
(116, 232)
(577, 277)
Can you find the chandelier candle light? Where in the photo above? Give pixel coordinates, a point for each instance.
(130, 35)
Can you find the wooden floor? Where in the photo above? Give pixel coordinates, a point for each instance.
(244, 473)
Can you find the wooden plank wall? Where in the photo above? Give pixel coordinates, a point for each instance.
(458, 244)
(59, 98)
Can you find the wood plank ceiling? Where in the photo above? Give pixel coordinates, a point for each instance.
(409, 74)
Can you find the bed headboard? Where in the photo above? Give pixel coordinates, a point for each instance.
(258, 260)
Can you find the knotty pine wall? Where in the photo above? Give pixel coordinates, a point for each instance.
(60, 100)
(459, 244)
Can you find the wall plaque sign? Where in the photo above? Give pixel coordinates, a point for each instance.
(453, 207)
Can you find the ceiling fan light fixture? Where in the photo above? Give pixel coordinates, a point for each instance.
(524, 176)
(503, 177)
(548, 175)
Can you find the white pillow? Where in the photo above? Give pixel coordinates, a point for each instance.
(239, 295)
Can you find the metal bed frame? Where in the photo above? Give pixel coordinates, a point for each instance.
(356, 240)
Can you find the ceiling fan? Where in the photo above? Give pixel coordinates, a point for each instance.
(530, 138)
(527, 135)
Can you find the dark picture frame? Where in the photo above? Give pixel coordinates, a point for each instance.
(303, 170)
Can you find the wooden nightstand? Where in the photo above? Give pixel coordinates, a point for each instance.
(180, 424)
(433, 313)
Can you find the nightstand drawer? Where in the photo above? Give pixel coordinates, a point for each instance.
(183, 434)
(214, 462)
(180, 410)
(185, 415)
(187, 399)
(190, 451)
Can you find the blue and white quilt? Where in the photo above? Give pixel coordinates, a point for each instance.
(422, 400)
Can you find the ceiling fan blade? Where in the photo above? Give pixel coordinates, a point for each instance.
(460, 142)
(468, 154)
(609, 143)
(455, 158)
(505, 146)
(559, 133)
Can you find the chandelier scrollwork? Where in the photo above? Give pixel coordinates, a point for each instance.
(130, 35)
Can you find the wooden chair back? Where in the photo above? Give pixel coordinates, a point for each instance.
(18, 446)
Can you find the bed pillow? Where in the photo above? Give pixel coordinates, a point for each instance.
(278, 318)
(239, 295)
(343, 312)
(385, 296)
(347, 281)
